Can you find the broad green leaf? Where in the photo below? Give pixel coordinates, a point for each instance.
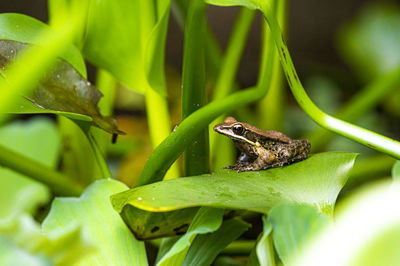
(25, 236)
(315, 181)
(370, 42)
(25, 29)
(264, 248)
(206, 220)
(37, 139)
(205, 248)
(293, 225)
(62, 89)
(132, 50)
(396, 171)
(100, 223)
(372, 218)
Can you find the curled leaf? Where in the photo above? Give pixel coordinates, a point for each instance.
(61, 89)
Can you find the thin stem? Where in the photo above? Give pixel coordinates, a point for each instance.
(225, 83)
(158, 120)
(271, 106)
(105, 171)
(363, 136)
(361, 103)
(57, 182)
(234, 51)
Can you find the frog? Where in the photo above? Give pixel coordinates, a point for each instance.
(259, 149)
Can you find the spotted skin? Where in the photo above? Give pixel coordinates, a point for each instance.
(262, 149)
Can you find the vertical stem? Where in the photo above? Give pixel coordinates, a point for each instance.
(271, 107)
(196, 160)
(105, 171)
(158, 120)
(225, 83)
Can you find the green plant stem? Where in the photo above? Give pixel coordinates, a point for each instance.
(271, 106)
(98, 154)
(233, 54)
(213, 51)
(225, 83)
(58, 183)
(360, 104)
(158, 120)
(196, 159)
(360, 135)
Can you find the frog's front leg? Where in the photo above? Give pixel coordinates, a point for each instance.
(265, 158)
(242, 161)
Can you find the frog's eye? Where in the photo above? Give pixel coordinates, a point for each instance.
(238, 129)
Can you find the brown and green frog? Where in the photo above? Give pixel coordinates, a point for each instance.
(262, 149)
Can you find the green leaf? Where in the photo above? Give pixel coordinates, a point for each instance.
(370, 42)
(25, 29)
(11, 254)
(371, 217)
(148, 225)
(293, 225)
(396, 171)
(205, 248)
(101, 225)
(25, 236)
(206, 220)
(264, 248)
(37, 139)
(62, 89)
(131, 50)
(315, 181)
(78, 160)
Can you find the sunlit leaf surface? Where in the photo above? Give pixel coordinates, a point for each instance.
(62, 89)
(100, 223)
(315, 181)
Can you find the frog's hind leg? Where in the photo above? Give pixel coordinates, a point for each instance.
(287, 161)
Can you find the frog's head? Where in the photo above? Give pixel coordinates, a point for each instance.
(235, 130)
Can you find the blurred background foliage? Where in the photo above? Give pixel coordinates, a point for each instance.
(338, 48)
